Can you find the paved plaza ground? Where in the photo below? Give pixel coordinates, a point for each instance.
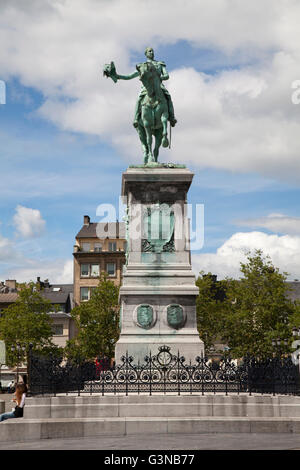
(166, 442)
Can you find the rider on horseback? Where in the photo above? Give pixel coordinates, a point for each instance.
(163, 74)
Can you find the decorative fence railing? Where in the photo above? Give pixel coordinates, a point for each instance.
(163, 373)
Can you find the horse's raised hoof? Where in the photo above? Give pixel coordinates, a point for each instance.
(165, 142)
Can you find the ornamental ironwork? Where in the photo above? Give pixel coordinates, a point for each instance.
(163, 372)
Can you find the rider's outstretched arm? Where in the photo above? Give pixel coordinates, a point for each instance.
(128, 77)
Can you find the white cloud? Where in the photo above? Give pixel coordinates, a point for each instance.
(16, 264)
(28, 222)
(283, 250)
(66, 275)
(278, 223)
(6, 249)
(58, 271)
(242, 121)
(238, 120)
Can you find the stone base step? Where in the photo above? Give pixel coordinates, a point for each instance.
(163, 406)
(22, 429)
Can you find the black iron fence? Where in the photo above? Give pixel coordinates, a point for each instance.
(162, 373)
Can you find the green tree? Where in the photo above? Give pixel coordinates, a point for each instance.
(97, 323)
(212, 306)
(260, 308)
(247, 314)
(26, 321)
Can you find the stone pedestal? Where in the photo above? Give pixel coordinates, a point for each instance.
(158, 294)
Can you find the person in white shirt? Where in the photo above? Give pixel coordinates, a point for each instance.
(20, 395)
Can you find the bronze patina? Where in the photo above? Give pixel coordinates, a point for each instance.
(154, 107)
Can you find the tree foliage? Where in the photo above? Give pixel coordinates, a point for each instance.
(255, 309)
(26, 322)
(211, 305)
(97, 323)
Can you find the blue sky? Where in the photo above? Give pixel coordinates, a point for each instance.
(66, 132)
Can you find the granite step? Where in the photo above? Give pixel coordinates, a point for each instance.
(163, 406)
(25, 429)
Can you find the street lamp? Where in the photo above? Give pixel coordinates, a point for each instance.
(18, 348)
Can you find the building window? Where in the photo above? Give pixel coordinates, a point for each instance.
(112, 246)
(57, 330)
(84, 293)
(92, 290)
(84, 270)
(98, 247)
(111, 269)
(95, 272)
(86, 246)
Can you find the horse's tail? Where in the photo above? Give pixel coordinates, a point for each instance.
(170, 134)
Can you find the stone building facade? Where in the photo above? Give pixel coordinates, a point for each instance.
(99, 247)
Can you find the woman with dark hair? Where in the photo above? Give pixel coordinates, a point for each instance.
(20, 395)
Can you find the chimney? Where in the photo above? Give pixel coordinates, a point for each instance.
(11, 284)
(86, 220)
(40, 284)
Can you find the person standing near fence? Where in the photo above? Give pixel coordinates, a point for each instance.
(20, 395)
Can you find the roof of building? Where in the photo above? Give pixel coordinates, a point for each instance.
(102, 230)
(57, 293)
(8, 297)
(63, 287)
(294, 293)
(54, 315)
